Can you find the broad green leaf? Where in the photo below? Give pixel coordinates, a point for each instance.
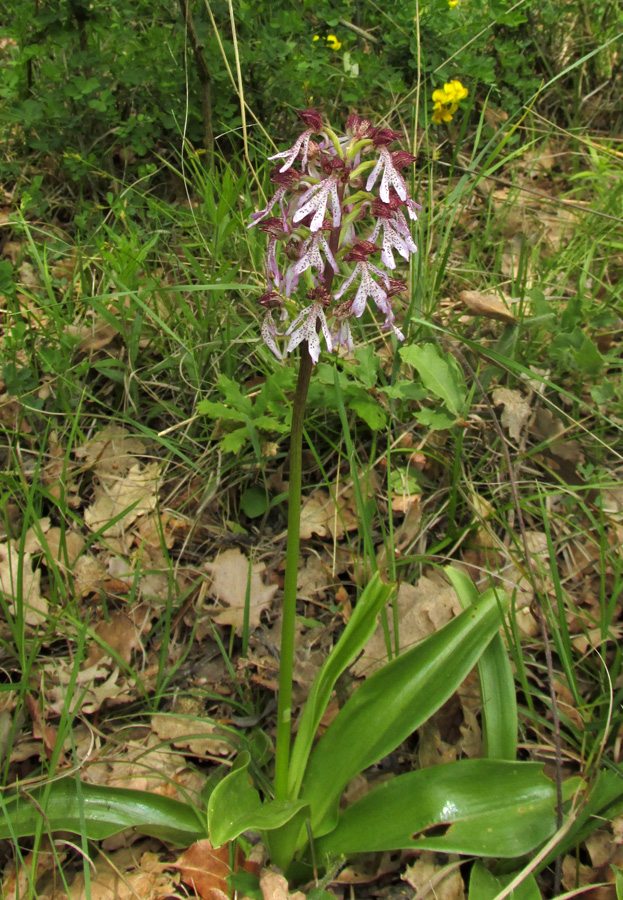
(439, 373)
(393, 702)
(357, 633)
(254, 502)
(437, 419)
(484, 885)
(370, 411)
(235, 806)
(482, 807)
(100, 812)
(497, 685)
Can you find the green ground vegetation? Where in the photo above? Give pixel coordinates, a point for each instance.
(144, 424)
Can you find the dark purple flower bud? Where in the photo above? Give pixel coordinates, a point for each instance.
(288, 179)
(358, 128)
(361, 251)
(396, 286)
(383, 137)
(382, 210)
(311, 117)
(402, 158)
(272, 226)
(270, 300)
(319, 295)
(331, 164)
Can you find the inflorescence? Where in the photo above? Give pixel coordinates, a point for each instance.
(340, 200)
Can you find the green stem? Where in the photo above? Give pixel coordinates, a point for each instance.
(288, 620)
(286, 662)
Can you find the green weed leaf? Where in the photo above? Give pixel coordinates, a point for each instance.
(439, 373)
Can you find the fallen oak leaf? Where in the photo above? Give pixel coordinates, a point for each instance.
(516, 411)
(206, 869)
(229, 581)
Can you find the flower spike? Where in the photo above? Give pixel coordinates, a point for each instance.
(333, 222)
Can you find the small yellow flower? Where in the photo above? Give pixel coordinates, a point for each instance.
(453, 3)
(456, 89)
(446, 101)
(442, 114)
(333, 42)
(316, 37)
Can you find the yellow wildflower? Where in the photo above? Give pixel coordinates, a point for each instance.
(316, 37)
(333, 42)
(453, 3)
(442, 114)
(446, 101)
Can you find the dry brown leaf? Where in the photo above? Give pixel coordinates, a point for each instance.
(422, 609)
(489, 307)
(112, 451)
(17, 880)
(122, 633)
(429, 878)
(516, 410)
(547, 427)
(321, 516)
(127, 496)
(200, 736)
(314, 577)
(432, 750)
(274, 886)
(88, 575)
(16, 574)
(64, 547)
(127, 874)
(206, 869)
(229, 575)
(94, 335)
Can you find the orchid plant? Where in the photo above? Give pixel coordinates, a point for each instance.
(341, 200)
(361, 179)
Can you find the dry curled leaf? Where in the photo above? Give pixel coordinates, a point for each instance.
(124, 499)
(490, 307)
(229, 581)
(21, 584)
(206, 869)
(516, 410)
(321, 516)
(422, 610)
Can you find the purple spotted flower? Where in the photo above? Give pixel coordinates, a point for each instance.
(341, 200)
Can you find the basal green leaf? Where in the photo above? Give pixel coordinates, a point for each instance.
(482, 807)
(100, 812)
(497, 685)
(235, 806)
(392, 703)
(357, 633)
